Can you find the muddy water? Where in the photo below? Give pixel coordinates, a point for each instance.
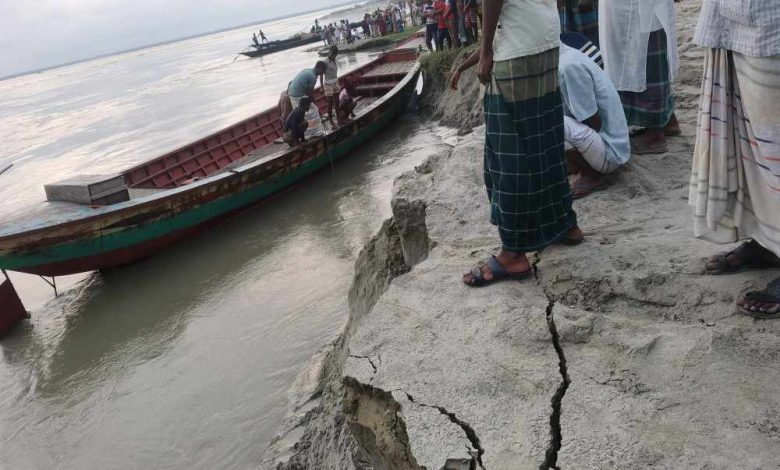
(183, 360)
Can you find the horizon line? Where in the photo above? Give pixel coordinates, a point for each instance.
(178, 39)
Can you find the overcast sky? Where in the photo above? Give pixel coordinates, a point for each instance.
(41, 33)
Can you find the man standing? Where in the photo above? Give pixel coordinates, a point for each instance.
(303, 85)
(525, 166)
(443, 13)
(638, 39)
(431, 28)
(580, 16)
(735, 182)
(330, 82)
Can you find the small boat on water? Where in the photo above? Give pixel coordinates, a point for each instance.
(184, 191)
(282, 45)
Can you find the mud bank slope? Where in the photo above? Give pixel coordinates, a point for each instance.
(618, 354)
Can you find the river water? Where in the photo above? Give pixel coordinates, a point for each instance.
(183, 360)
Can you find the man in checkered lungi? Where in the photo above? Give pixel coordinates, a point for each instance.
(525, 166)
(638, 40)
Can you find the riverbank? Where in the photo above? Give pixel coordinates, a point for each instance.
(619, 354)
(369, 44)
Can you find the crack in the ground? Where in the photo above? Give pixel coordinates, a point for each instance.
(556, 435)
(370, 361)
(477, 451)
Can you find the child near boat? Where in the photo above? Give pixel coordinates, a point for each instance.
(346, 102)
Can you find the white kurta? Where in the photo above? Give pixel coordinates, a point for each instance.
(624, 32)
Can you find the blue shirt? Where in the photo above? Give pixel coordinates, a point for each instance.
(587, 90)
(303, 83)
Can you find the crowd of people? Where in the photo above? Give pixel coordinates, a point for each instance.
(556, 122)
(574, 89)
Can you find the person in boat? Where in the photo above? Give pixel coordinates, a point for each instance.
(303, 84)
(524, 161)
(347, 102)
(262, 36)
(736, 160)
(638, 41)
(329, 82)
(295, 125)
(255, 42)
(285, 105)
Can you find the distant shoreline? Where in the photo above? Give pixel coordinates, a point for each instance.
(171, 41)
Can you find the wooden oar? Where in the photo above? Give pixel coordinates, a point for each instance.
(236, 57)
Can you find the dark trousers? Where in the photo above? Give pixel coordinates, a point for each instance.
(431, 35)
(444, 35)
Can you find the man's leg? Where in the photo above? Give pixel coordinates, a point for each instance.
(652, 109)
(587, 158)
(331, 105)
(429, 37)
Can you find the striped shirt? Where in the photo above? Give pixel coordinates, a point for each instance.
(750, 27)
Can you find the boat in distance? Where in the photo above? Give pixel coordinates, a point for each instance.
(282, 45)
(184, 191)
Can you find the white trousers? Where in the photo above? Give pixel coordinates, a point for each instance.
(589, 143)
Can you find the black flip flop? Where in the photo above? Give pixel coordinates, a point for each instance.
(751, 256)
(770, 295)
(498, 272)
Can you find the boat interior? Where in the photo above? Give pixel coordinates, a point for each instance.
(256, 138)
(259, 136)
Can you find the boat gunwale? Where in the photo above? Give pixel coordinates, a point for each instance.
(164, 195)
(360, 70)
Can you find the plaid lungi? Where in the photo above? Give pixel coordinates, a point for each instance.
(580, 16)
(653, 107)
(525, 167)
(735, 180)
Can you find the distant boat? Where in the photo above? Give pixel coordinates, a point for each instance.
(173, 196)
(282, 45)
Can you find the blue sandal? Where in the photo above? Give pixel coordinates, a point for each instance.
(498, 272)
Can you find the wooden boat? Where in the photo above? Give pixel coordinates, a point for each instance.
(282, 45)
(182, 192)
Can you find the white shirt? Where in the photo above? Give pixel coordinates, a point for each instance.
(751, 28)
(624, 33)
(527, 27)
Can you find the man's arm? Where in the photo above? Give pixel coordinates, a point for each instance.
(491, 11)
(472, 60)
(594, 122)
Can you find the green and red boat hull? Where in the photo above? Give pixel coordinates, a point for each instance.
(132, 232)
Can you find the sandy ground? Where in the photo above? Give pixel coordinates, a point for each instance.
(662, 371)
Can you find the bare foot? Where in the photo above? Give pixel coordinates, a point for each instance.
(673, 127)
(573, 237)
(586, 183)
(651, 141)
